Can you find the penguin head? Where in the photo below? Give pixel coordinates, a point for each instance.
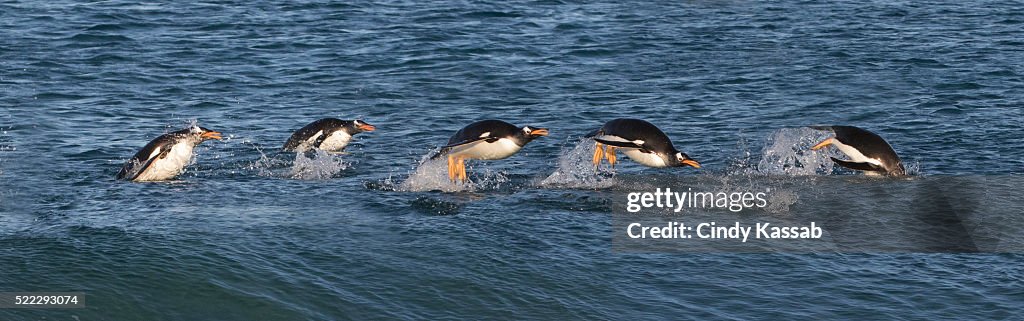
(528, 134)
(201, 134)
(680, 159)
(359, 126)
(531, 132)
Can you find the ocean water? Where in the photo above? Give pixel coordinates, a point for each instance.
(249, 233)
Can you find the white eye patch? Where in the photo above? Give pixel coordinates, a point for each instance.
(485, 135)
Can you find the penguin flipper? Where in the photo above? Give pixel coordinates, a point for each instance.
(617, 143)
(321, 138)
(141, 168)
(448, 148)
(301, 137)
(859, 166)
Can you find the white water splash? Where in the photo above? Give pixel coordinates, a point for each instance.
(576, 169)
(5, 147)
(318, 165)
(913, 167)
(432, 175)
(265, 165)
(788, 152)
(189, 123)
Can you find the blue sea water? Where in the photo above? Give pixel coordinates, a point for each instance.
(249, 233)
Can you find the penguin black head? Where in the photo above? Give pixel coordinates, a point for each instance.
(529, 133)
(680, 159)
(201, 134)
(358, 126)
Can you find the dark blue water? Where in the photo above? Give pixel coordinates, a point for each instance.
(248, 233)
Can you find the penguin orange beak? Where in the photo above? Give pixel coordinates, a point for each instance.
(539, 132)
(823, 143)
(691, 162)
(366, 127)
(211, 135)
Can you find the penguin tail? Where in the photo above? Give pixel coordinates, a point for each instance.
(439, 153)
(131, 170)
(593, 133)
(123, 173)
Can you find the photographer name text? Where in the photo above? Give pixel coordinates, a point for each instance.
(711, 230)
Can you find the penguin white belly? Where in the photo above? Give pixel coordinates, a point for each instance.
(170, 166)
(647, 159)
(855, 155)
(499, 149)
(336, 142)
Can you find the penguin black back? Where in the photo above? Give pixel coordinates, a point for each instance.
(495, 127)
(870, 144)
(324, 126)
(637, 129)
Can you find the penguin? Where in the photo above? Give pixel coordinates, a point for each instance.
(328, 134)
(641, 141)
(867, 151)
(166, 156)
(485, 140)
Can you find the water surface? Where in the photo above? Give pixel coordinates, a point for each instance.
(247, 234)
